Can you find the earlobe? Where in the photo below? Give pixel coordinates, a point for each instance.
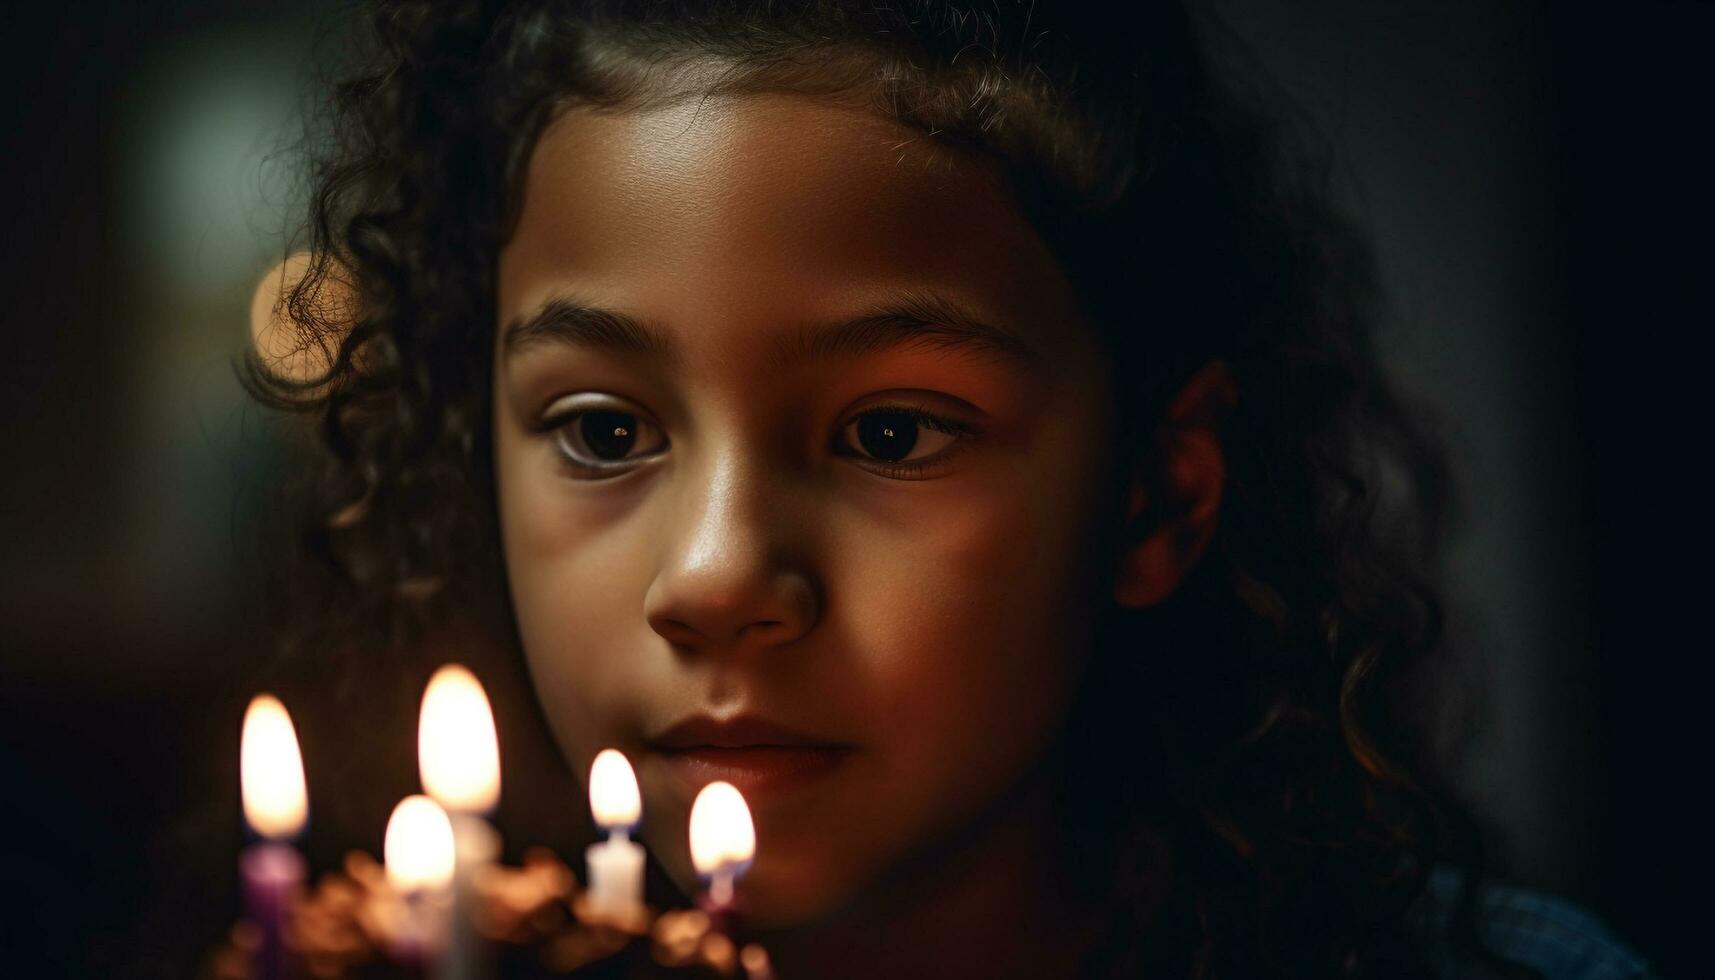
(1174, 502)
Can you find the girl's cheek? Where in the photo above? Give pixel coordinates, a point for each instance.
(575, 651)
(963, 616)
(567, 571)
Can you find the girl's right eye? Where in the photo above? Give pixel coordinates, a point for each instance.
(603, 442)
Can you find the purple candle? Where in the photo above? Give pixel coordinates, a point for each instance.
(723, 843)
(273, 875)
(271, 778)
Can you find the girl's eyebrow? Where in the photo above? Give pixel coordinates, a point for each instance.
(912, 320)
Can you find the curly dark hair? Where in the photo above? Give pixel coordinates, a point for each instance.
(1283, 754)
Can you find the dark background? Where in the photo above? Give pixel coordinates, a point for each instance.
(1536, 179)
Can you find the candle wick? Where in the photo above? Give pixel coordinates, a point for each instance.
(618, 834)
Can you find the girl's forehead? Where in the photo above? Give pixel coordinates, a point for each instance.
(769, 208)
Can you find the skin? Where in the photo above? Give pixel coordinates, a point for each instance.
(753, 555)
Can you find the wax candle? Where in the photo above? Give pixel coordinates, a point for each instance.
(723, 843)
(271, 781)
(458, 754)
(614, 866)
(418, 853)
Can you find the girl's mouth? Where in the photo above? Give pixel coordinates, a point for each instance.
(757, 756)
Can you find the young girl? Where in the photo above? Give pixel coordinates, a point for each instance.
(954, 424)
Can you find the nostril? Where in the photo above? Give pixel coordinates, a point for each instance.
(682, 634)
(676, 632)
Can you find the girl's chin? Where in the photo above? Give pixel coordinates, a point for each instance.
(784, 895)
(774, 904)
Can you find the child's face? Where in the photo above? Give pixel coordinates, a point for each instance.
(749, 554)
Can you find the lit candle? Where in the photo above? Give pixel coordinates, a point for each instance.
(615, 866)
(271, 782)
(723, 842)
(459, 757)
(418, 852)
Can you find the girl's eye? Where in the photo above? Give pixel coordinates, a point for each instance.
(899, 441)
(904, 440)
(604, 440)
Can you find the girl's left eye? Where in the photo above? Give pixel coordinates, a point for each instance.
(904, 440)
(602, 440)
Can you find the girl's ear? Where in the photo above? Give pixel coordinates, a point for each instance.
(1175, 495)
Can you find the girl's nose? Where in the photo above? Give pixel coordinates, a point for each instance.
(729, 580)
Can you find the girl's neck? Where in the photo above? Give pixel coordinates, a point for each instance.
(999, 901)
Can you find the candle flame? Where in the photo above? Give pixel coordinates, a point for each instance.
(614, 799)
(418, 849)
(271, 770)
(457, 751)
(722, 834)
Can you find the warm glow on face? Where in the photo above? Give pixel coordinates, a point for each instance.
(614, 799)
(915, 618)
(270, 770)
(722, 835)
(418, 848)
(456, 746)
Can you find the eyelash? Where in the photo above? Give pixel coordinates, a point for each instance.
(900, 470)
(922, 416)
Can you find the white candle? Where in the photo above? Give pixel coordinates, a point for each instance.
(614, 866)
(271, 782)
(418, 852)
(723, 843)
(458, 754)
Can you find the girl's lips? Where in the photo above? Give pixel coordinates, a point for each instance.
(754, 754)
(754, 769)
